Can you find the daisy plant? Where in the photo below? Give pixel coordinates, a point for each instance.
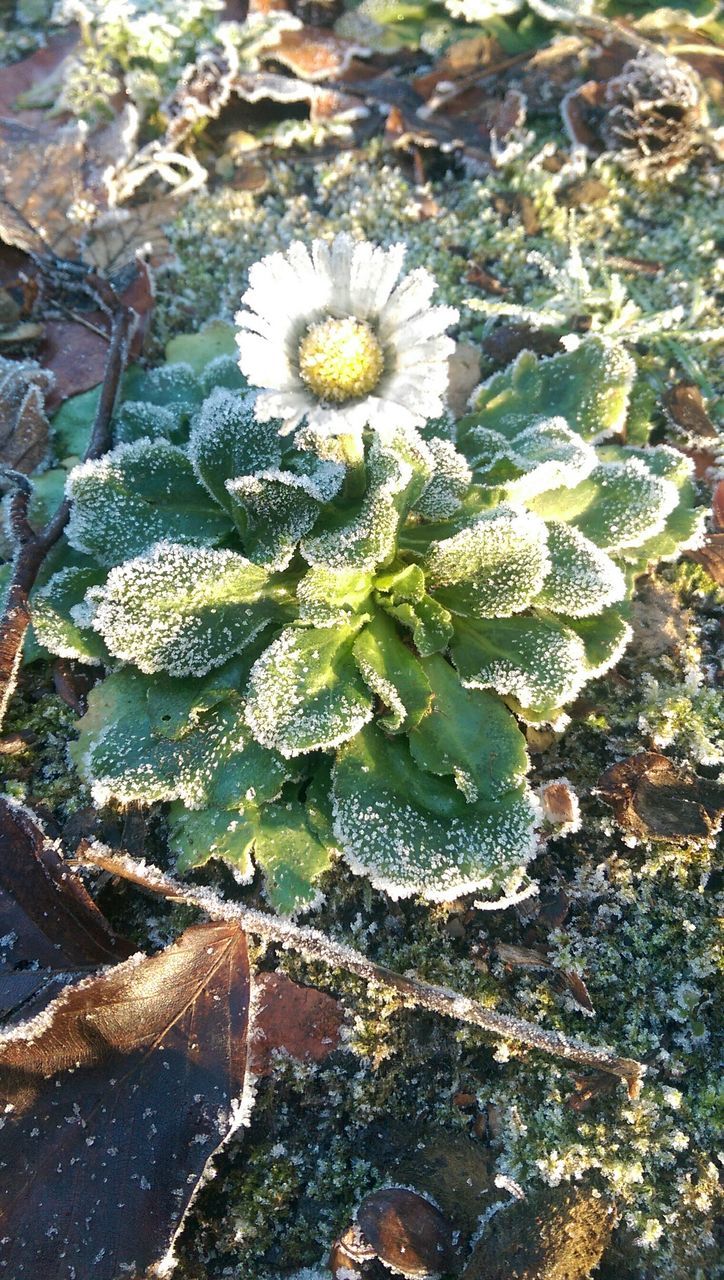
(323, 611)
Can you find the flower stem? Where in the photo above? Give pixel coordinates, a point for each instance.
(352, 449)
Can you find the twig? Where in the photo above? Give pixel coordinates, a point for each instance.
(317, 946)
(31, 547)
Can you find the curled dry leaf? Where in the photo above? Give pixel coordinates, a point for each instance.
(24, 427)
(534, 958)
(314, 54)
(684, 404)
(655, 799)
(52, 931)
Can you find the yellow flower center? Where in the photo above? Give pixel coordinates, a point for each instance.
(340, 359)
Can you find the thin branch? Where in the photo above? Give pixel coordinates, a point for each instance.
(32, 548)
(317, 946)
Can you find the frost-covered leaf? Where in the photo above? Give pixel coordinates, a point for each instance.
(545, 455)
(329, 597)
(182, 609)
(284, 844)
(582, 579)
(196, 835)
(402, 594)
(120, 1093)
(136, 495)
(216, 763)
(227, 441)
(414, 833)
(362, 535)
(604, 638)
(448, 484)
(589, 387)
(273, 510)
(291, 855)
(24, 425)
(174, 704)
(392, 672)
(541, 663)
(139, 420)
(618, 505)
(305, 692)
(469, 735)
(53, 622)
(167, 384)
(492, 568)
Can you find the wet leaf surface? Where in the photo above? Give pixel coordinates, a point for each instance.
(653, 798)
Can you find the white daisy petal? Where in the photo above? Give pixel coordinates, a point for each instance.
(333, 340)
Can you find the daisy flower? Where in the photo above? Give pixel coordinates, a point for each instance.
(332, 337)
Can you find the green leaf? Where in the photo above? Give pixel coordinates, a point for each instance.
(589, 387)
(73, 423)
(362, 535)
(195, 835)
(174, 704)
(467, 734)
(540, 662)
(53, 620)
(428, 620)
(286, 847)
(198, 349)
(393, 673)
(290, 854)
(328, 597)
(448, 484)
(216, 764)
(305, 692)
(414, 833)
(582, 579)
(492, 568)
(273, 511)
(139, 420)
(136, 495)
(604, 639)
(618, 505)
(227, 441)
(183, 610)
(172, 385)
(545, 455)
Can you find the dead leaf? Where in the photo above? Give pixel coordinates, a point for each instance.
(711, 556)
(115, 1101)
(302, 1021)
(480, 278)
(585, 192)
(314, 53)
(534, 958)
(463, 376)
(24, 426)
(52, 930)
(657, 800)
(508, 340)
(685, 406)
(660, 623)
(42, 177)
(581, 111)
(22, 77)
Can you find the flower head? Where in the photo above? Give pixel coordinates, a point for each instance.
(331, 336)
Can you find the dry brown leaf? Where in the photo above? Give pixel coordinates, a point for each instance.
(301, 1021)
(24, 427)
(115, 1099)
(685, 406)
(314, 53)
(463, 376)
(42, 177)
(655, 799)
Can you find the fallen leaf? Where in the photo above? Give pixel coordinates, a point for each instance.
(654, 798)
(685, 406)
(24, 426)
(711, 556)
(42, 178)
(115, 1100)
(22, 77)
(302, 1021)
(463, 376)
(508, 340)
(660, 622)
(534, 958)
(314, 54)
(52, 931)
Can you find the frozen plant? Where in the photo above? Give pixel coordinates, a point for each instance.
(317, 651)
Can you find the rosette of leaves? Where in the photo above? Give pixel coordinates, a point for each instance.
(309, 656)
